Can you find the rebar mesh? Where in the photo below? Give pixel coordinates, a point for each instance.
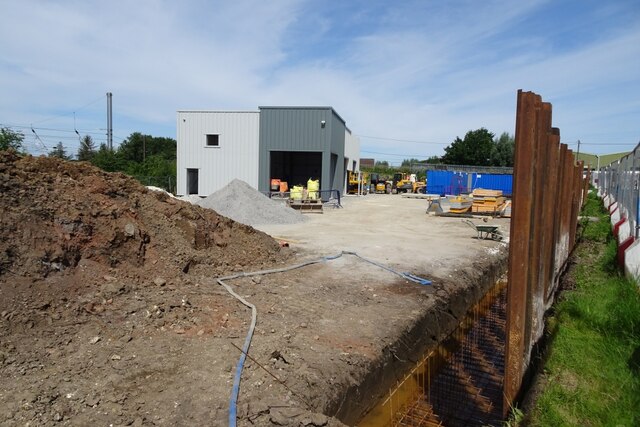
(460, 382)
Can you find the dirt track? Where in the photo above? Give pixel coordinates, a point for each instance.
(110, 314)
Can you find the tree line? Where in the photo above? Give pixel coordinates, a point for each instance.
(478, 148)
(150, 159)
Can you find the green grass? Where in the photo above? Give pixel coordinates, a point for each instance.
(592, 375)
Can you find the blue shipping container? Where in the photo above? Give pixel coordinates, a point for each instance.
(446, 182)
(492, 181)
(455, 183)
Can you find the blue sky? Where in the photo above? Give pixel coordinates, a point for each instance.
(422, 71)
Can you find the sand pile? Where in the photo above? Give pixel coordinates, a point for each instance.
(243, 203)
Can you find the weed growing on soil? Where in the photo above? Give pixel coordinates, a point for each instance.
(592, 374)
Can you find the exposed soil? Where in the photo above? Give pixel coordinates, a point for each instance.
(110, 313)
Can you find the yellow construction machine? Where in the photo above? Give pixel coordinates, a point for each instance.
(407, 183)
(402, 183)
(379, 184)
(355, 185)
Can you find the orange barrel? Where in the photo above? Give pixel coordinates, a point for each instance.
(275, 184)
(284, 187)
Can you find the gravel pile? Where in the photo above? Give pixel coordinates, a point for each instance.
(243, 203)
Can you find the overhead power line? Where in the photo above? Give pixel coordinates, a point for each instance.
(417, 156)
(38, 138)
(403, 140)
(604, 143)
(88, 132)
(70, 112)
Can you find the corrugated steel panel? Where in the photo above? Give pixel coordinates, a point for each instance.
(446, 182)
(352, 150)
(301, 129)
(490, 181)
(236, 156)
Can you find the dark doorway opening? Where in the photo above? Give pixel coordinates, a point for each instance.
(192, 181)
(295, 167)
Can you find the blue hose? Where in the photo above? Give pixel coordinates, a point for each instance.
(235, 391)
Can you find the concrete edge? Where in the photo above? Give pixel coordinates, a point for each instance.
(628, 247)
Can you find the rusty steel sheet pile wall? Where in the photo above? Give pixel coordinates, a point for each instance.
(548, 192)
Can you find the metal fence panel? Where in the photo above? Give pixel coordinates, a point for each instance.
(620, 181)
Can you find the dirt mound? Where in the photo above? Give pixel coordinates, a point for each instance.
(243, 203)
(56, 213)
(92, 264)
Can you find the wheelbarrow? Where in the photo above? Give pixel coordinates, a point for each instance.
(485, 231)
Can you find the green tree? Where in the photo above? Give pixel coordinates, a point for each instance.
(10, 139)
(137, 147)
(476, 149)
(155, 165)
(108, 160)
(410, 162)
(434, 160)
(504, 148)
(147, 158)
(60, 152)
(382, 164)
(87, 149)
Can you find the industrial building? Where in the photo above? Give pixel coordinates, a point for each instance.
(293, 144)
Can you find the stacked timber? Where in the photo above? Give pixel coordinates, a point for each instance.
(487, 201)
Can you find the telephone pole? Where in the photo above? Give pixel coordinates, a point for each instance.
(109, 122)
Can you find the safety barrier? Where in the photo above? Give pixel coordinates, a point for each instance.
(618, 185)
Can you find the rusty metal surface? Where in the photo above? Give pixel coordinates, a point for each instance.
(548, 191)
(519, 244)
(550, 205)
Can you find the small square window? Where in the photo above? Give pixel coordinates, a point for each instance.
(213, 140)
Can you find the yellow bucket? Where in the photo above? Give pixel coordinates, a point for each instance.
(296, 192)
(313, 186)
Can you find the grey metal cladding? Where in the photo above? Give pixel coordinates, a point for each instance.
(301, 129)
(294, 129)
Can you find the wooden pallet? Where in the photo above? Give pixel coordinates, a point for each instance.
(307, 205)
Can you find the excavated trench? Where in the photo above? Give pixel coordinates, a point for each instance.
(445, 369)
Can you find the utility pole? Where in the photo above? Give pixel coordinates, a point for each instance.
(109, 122)
(578, 155)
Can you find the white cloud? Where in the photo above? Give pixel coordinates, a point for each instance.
(427, 71)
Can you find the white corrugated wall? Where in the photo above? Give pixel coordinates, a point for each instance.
(235, 157)
(352, 150)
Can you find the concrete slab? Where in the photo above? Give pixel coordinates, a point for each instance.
(624, 232)
(615, 217)
(632, 261)
(396, 231)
